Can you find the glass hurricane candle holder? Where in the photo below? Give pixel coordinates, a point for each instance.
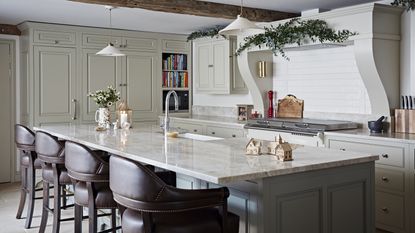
(124, 118)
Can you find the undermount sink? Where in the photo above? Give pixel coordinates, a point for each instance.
(198, 137)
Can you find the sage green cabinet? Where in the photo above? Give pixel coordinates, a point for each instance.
(215, 67)
(55, 97)
(133, 75)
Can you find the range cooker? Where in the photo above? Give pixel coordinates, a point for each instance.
(303, 131)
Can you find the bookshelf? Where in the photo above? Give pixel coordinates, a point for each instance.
(176, 76)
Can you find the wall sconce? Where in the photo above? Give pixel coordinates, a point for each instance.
(262, 69)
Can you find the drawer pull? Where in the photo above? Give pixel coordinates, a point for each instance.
(56, 41)
(385, 156)
(233, 135)
(385, 210)
(342, 149)
(213, 132)
(385, 179)
(195, 130)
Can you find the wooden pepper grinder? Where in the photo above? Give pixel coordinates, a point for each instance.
(271, 104)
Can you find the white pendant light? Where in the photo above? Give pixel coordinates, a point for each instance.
(241, 25)
(110, 50)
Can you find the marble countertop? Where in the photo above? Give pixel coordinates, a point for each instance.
(211, 119)
(220, 161)
(365, 133)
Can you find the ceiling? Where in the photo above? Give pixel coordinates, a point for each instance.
(66, 12)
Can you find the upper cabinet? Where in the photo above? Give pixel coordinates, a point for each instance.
(215, 67)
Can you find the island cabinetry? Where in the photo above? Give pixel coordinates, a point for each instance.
(215, 67)
(215, 129)
(393, 177)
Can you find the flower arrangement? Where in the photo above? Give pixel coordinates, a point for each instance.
(105, 98)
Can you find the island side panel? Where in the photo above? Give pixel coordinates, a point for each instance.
(338, 200)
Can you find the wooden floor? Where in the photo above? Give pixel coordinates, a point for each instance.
(9, 199)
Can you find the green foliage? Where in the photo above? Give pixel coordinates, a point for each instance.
(408, 4)
(295, 31)
(105, 98)
(209, 32)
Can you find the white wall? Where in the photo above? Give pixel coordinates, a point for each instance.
(327, 79)
(221, 100)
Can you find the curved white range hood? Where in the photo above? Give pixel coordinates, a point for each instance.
(376, 49)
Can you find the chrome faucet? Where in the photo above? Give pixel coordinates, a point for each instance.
(176, 107)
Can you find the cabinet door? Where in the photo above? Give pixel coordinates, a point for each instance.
(139, 87)
(98, 72)
(203, 67)
(221, 75)
(55, 84)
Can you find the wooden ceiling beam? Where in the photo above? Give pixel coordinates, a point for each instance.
(9, 29)
(198, 8)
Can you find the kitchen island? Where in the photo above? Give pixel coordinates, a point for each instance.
(320, 191)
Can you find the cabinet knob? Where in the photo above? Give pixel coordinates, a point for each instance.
(195, 130)
(213, 132)
(210, 65)
(233, 135)
(342, 149)
(56, 41)
(385, 210)
(385, 156)
(385, 179)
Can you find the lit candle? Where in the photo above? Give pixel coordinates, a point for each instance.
(123, 119)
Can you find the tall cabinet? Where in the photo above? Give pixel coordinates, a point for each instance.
(60, 67)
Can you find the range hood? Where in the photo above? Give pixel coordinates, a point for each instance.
(376, 51)
(316, 45)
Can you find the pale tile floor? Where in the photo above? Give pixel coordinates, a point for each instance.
(9, 201)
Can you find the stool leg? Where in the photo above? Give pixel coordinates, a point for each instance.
(78, 219)
(45, 207)
(31, 188)
(113, 220)
(92, 212)
(56, 206)
(22, 192)
(64, 196)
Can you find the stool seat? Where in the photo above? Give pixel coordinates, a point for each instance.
(24, 161)
(47, 174)
(103, 195)
(200, 221)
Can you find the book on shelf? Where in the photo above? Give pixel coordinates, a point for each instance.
(175, 62)
(175, 79)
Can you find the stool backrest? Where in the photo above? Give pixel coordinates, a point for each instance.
(24, 138)
(49, 149)
(84, 164)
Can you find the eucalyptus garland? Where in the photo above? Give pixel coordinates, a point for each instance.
(295, 31)
(408, 4)
(209, 32)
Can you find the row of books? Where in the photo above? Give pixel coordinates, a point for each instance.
(175, 79)
(175, 62)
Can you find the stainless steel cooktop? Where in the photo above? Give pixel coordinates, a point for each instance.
(305, 125)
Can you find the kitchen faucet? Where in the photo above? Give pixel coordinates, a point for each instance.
(176, 107)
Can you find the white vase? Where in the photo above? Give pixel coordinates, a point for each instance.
(102, 117)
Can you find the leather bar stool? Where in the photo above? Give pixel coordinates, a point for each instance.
(89, 171)
(51, 152)
(29, 163)
(155, 207)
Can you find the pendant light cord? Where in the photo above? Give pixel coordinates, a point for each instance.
(242, 4)
(110, 26)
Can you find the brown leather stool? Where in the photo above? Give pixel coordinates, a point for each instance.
(154, 207)
(89, 171)
(51, 152)
(29, 163)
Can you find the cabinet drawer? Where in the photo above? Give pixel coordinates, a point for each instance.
(190, 128)
(139, 43)
(91, 40)
(390, 210)
(388, 155)
(224, 132)
(175, 45)
(51, 37)
(390, 179)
